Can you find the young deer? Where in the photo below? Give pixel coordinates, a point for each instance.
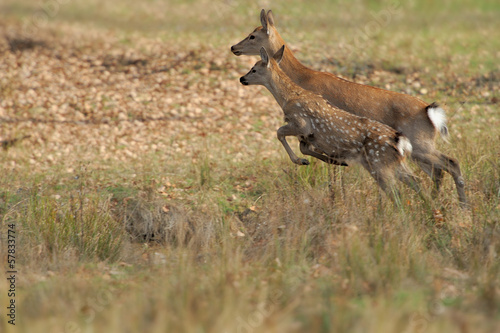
(328, 132)
(417, 120)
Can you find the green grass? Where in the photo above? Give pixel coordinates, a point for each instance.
(134, 225)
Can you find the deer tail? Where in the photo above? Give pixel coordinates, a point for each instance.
(403, 144)
(438, 118)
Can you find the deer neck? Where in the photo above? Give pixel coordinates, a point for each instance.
(290, 65)
(282, 87)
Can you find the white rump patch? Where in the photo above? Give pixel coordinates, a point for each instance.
(404, 146)
(438, 119)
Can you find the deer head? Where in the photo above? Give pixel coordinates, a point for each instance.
(261, 72)
(264, 36)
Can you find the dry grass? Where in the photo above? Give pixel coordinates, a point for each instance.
(149, 192)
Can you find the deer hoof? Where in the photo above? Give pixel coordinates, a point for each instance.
(303, 161)
(335, 162)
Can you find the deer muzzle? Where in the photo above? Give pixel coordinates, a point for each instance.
(243, 81)
(235, 51)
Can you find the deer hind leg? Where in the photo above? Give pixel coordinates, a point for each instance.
(404, 175)
(437, 162)
(386, 183)
(435, 174)
(304, 149)
(384, 179)
(285, 131)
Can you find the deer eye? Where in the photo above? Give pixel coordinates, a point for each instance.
(252, 37)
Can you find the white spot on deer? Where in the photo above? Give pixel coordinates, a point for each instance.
(298, 104)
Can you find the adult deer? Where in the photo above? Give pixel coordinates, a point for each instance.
(325, 130)
(417, 120)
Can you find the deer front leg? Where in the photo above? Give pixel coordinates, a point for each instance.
(304, 149)
(285, 131)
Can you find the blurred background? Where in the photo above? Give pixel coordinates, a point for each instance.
(150, 192)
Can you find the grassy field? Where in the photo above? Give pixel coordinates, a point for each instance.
(148, 193)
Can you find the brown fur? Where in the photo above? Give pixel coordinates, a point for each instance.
(326, 130)
(404, 113)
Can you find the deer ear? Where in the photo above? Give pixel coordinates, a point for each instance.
(263, 20)
(264, 57)
(270, 18)
(278, 56)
